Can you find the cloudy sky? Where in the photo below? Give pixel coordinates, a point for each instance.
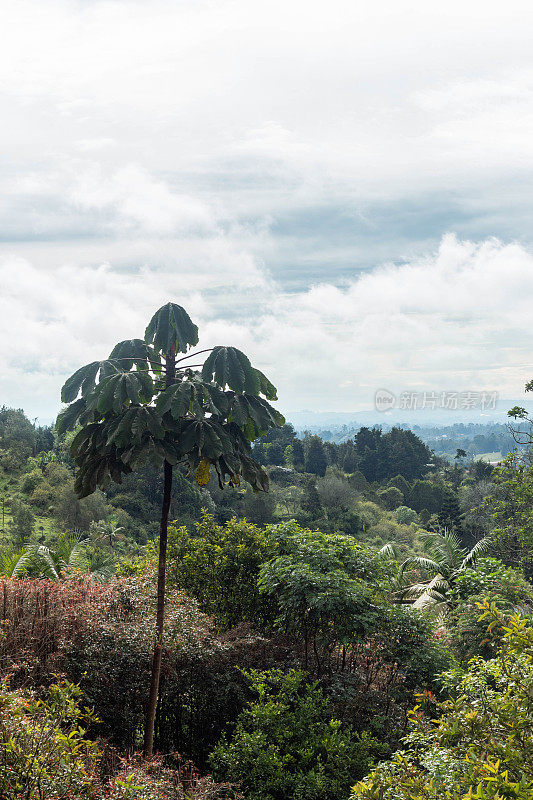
(341, 189)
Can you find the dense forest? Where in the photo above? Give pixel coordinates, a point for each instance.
(362, 629)
(492, 441)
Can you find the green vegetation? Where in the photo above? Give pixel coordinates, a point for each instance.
(363, 628)
(481, 745)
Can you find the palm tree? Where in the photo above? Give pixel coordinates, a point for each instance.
(108, 532)
(14, 563)
(69, 553)
(445, 560)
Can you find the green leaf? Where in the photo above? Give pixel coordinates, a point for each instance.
(171, 328)
(133, 351)
(267, 388)
(230, 367)
(68, 418)
(119, 390)
(255, 415)
(84, 378)
(254, 474)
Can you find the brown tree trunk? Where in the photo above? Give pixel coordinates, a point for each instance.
(161, 576)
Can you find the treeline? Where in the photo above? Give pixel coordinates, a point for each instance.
(444, 440)
(373, 487)
(376, 455)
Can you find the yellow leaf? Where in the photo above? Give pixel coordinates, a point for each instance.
(203, 473)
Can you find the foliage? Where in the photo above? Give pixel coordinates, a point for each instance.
(22, 522)
(317, 583)
(134, 410)
(405, 515)
(75, 514)
(285, 745)
(44, 752)
(391, 497)
(482, 744)
(512, 509)
(316, 459)
(491, 580)
(219, 565)
(153, 780)
(100, 635)
(398, 452)
(445, 561)
(336, 495)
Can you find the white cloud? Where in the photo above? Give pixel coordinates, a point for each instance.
(456, 320)
(140, 200)
(225, 154)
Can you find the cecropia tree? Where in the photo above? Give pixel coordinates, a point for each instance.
(144, 405)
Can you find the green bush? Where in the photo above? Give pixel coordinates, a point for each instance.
(322, 587)
(501, 585)
(42, 496)
(481, 747)
(405, 515)
(43, 749)
(32, 480)
(286, 746)
(219, 565)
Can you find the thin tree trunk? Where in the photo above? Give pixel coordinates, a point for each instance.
(161, 576)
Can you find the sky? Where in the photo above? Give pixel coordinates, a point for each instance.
(343, 190)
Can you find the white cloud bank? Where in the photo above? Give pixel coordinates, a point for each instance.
(250, 160)
(458, 320)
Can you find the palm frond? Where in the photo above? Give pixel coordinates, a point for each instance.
(446, 547)
(104, 571)
(77, 558)
(479, 548)
(20, 564)
(420, 562)
(387, 551)
(42, 556)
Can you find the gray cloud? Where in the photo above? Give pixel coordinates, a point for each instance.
(261, 162)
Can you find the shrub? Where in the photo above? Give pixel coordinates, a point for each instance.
(43, 749)
(317, 585)
(405, 515)
(219, 565)
(22, 522)
(32, 480)
(152, 780)
(42, 496)
(502, 586)
(100, 635)
(286, 746)
(482, 744)
(390, 498)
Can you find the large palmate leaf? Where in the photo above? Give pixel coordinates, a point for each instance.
(171, 329)
(180, 399)
(203, 438)
(134, 352)
(254, 474)
(193, 396)
(254, 415)
(228, 366)
(121, 389)
(84, 379)
(130, 426)
(266, 387)
(73, 415)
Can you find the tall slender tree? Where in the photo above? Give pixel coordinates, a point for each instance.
(143, 404)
